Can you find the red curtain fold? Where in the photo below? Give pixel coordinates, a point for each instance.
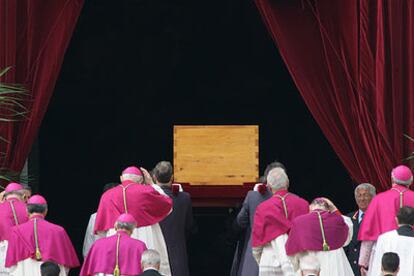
(34, 35)
(352, 62)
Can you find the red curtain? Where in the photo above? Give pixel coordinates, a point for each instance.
(34, 35)
(352, 61)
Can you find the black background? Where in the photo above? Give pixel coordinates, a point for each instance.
(134, 69)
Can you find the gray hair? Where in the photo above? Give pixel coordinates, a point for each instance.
(151, 258)
(309, 263)
(133, 177)
(277, 179)
(125, 225)
(366, 186)
(19, 193)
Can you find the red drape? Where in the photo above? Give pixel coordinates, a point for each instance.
(34, 35)
(352, 61)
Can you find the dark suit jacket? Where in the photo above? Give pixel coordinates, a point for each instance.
(244, 264)
(352, 250)
(150, 272)
(174, 228)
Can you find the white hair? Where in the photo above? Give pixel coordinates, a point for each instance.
(277, 179)
(309, 263)
(150, 258)
(132, 177)
(366, 186)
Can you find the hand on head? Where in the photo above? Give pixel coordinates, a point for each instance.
(147, 177)
(332, 207)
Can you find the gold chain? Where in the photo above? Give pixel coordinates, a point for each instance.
(284, 203)
(117, 272)
(38, 255)
(325, 246)
(16, 221)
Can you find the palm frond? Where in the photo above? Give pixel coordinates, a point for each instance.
(410, 157)
(12, 99)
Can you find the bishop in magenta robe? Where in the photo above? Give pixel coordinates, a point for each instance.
(37, 240)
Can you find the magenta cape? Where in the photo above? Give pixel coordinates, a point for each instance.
(143, 201)
(269, 219)
(380, 215)
(305, 233)
(7, 219)
(102, 256)
(54, 244)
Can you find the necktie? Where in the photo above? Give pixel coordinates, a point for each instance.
(362, 216)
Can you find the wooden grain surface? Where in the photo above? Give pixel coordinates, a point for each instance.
(211, 155)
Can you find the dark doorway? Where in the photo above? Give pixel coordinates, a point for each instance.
(135, 68)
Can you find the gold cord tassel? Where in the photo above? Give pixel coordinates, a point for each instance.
(38, 255)
(117, 272)
(325, 245)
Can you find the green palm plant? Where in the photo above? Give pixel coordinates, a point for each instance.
(410, 157)
(12, 109)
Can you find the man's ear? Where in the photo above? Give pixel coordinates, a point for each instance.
(122, 179)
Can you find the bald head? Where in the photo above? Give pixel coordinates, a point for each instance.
(277, 179)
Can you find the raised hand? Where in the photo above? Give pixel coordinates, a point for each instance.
(332, 207)
(147, 177)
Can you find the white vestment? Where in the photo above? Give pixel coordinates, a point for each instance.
(30, 267)
(333, 262)
(90, 237)
(272, 258)
(393, 242)
(3, 251)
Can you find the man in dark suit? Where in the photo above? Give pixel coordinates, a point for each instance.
(150, 263)
(363, 195)
(179, 223)
(244, 263)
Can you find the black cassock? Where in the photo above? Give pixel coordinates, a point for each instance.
(244, 264)
(175, 228)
